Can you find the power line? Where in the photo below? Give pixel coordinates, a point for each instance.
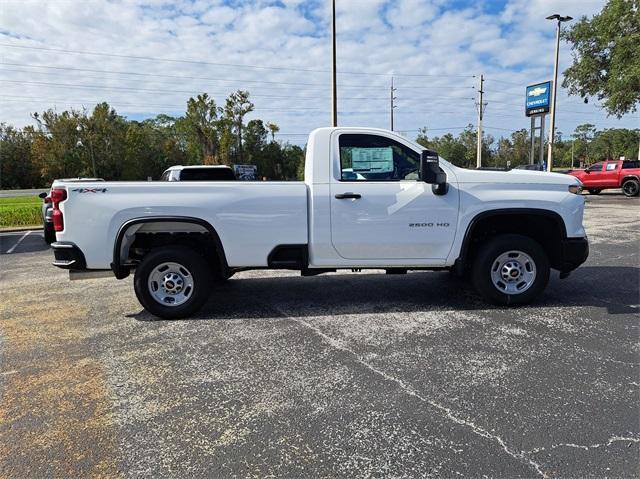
(138, 105)
(398, 131)
(202, 62)
(309, 86)
(163, 75)
(191, 92)
(154, 90)
(503, 129)
(82, 102)
(506, 82)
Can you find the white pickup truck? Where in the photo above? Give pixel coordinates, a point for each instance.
(370, 199)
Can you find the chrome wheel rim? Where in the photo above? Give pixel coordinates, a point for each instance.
(170, 284)
(513, 272)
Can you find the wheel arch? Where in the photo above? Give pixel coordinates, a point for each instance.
(121, 249)
(513, 221)
(629, 177)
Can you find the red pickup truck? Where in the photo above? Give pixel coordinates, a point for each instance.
(611, 174)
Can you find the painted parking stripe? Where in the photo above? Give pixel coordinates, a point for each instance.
(9, 251)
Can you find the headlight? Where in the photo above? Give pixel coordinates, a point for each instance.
(575, 189)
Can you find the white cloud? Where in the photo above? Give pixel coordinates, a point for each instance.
(511, 47)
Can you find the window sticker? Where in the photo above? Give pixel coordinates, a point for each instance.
(372, 160)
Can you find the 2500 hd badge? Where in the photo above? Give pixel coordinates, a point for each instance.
(428, 225)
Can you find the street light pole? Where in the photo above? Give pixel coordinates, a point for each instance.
(481, 106)
(334, 87)
(554, 90)
(392, 98)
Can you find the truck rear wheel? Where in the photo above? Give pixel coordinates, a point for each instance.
(172, 282)
(510, 270)
(631, 187)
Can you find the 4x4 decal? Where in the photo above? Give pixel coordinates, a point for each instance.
(90, 190)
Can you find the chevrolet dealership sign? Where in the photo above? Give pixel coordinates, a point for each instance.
(538, 98)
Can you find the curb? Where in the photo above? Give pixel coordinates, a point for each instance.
(18, 229)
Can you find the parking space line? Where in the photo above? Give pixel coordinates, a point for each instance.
(11, 250)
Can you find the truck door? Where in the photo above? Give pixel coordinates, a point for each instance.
(610, 175)
(379, 207)
(594, 177)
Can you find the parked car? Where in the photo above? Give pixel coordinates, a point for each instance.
(531, 167)
(410, 210)
(47, 209)
(611, 174)
(198, 173)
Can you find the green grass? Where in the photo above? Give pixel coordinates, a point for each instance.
(20, 211)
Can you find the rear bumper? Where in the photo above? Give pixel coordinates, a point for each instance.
(68, 256)
(575, 251)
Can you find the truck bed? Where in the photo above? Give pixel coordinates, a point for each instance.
(251, 218)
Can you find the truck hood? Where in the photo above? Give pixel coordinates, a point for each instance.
(514, 176)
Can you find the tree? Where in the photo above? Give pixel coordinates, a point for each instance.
(582, 136)
(201, 125)
(613, 143)
(236, 107)
(102, 136)
(55, 150)
(273, 129)
(292, 162)
(606, 57)
(16, 166)
(255, 139)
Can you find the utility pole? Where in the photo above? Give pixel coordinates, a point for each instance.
(554, 90)
(481, 105)
(334, 86)
(392, 97)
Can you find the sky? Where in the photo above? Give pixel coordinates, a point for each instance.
(148, 57)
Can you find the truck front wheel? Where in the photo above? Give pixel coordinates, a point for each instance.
(510, 270)
(172, 282)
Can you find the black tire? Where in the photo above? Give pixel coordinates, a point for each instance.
(195, 265)
(594, 191)
(631, 188)
(484, 262)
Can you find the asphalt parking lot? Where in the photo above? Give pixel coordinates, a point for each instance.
(340, 375)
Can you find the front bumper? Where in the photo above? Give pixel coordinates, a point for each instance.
(575, 251)
(68, 256)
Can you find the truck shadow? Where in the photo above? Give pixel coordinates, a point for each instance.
(365, 293)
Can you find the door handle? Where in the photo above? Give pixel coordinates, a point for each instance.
(346, 196)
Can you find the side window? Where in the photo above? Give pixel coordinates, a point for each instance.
(630, 164)
(596, 167)
(376, 158)
(611, 166)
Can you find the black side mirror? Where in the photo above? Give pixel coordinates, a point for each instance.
(42, 196)
(430, 172)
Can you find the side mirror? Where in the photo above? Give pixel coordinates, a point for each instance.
(587, 170)
(42, 196)
(430, 172)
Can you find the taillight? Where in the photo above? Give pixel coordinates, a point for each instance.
(58, 195)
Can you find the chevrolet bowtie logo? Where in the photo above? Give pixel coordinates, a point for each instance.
(537, 91)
